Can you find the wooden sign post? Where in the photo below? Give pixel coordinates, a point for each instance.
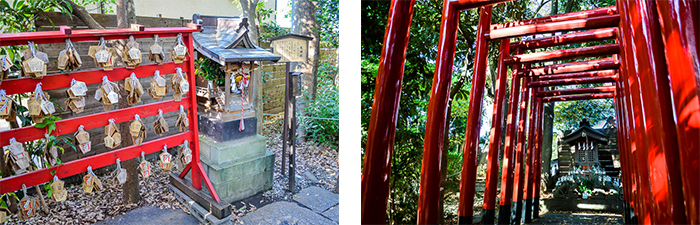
(292, 48)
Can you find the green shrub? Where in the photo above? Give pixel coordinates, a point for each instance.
(323, 131)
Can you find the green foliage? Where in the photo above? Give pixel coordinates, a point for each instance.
(210, 70)
(325, 105)
(107, 3)
(327, 17)
(586, 186)
(267, 28)
(567, 115)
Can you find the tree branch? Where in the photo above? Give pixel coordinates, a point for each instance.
(82, 14)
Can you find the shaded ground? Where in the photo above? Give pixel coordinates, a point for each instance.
(579, 218)
(152, 215)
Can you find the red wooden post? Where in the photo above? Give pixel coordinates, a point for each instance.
(492, 166)
(380, 135)
(595, 73)
(578, 97)
(428, 196)
(588, 90)
(508, 153)
(529, 175)
(572, 67)
(469, 163)
(519, 176)
(678, 19)
(538, 159)
(569, 81)
(662, 151)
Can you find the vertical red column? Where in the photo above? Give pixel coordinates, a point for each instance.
(468, 181)
(530, 156)
(509, 159)
(519, 177)
(492, 165)
(679, 26)
(657, 114)
(387, 92)
(194, 126)
(538, 159)
(428, 196)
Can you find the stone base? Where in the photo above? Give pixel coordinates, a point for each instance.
(223, 127)
(238, 169)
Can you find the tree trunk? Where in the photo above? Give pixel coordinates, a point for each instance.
(83, 15)
(122, 19)
(569, 6)
(304, 23)
(131, 10)
(547, 136)
(248, 7)
(555, 8)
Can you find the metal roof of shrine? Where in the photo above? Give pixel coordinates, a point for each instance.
(226, 40)
(585, 133)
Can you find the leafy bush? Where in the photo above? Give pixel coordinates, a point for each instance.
(210, 70)
(323, 131)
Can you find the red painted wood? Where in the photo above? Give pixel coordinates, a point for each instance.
(519, 176)
(69, 126)
(592, 51)
(572, 67)
(529, 174)
(62, 80)
(586, 80)
(45, 37)
(376, 173)
(492, 166)
(429, 193)
(471, 143)
(678, 20)
(566, 39)
(577, 24)
(66, 30)
(610, 10)
(595, 73)
(578, 97)
(77, 166)
(468, 4)
(589, 90)
(508, 153)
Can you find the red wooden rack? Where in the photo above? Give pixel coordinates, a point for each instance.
(93, 76)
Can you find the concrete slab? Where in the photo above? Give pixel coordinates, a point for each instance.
(333, 213)
(316, 199)
(284, 213)
(152, 215)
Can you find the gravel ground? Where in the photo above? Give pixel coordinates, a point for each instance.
(84, 208)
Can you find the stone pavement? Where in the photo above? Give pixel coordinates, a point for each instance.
(313, 205)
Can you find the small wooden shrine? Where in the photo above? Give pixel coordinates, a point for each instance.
(589, 146)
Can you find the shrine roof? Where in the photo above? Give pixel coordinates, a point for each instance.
(585, 133)
(226, 40)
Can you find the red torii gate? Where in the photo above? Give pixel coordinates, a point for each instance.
(655, 73)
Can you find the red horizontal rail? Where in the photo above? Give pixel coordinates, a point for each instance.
(572, 67)
(570, 81)
(610, 10)
(595, 73)
(592, 51)
(45, 37)
(590, 90)
(77, 166)
(578, 97)
(577, 24)
(62, 80)
(468, 4)
(71, 125)
(565, 39)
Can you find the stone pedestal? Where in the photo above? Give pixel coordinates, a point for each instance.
(238, 168)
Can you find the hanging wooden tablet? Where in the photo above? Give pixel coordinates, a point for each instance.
(19, 157)
(131, 54)
(82, 138)
(8, 107)
(108, 94)
(166, 160)
(133, 88)
(156, 52)
(113, 138)
(5, 65)
(59, 191)
(160, 126)
(179, 50)
(76, 96)
(119, 174)
(68, 59)
(144, 166)
(34, 64)
(39, 105)
(28, 205)
(158, 86)
(137, 130)
(183, 122)
(179, 84)
(104, 56)
(186, 153)
(88, 183)
(50, 152)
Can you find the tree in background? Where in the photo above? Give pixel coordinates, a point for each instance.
(304, 23)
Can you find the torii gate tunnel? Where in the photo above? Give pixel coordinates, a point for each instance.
(655, 75)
